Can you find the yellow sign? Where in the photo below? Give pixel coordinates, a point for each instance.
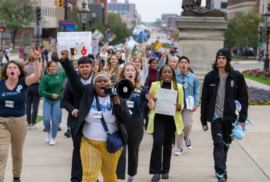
(159, 45)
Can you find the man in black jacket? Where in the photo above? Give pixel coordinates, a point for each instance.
(71, 103)
(222, 86)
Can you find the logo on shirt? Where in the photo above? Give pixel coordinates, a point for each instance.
(57, 77)
(3, 94)
(19, 88)
(232, 83)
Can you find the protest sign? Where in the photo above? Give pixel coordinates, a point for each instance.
(137, 51)
(80, 41)
(98, 35)
(94, 47)
(109, 35)
(166, 100)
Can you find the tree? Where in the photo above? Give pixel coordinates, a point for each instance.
(15, 14)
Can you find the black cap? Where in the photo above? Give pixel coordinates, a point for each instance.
(225, 52)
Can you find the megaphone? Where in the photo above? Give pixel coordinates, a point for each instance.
(124, 89)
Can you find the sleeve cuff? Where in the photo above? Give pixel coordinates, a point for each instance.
(242, 120)
(74, 111)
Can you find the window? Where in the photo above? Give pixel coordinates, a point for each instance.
(223, 5)
(91, 1)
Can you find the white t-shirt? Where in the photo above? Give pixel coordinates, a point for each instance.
(92, 128)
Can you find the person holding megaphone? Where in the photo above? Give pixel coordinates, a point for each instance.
(135, 128)
(98, 123)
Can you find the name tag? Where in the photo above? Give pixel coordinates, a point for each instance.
(185, 85)
(130, 104)
(9, 104)
(97, 115)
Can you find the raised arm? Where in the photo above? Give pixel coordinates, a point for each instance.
(104, 55)
(74, 79)
(145, 66)
(126, 48)
(36, 75)
(161, 61)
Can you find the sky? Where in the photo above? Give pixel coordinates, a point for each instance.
(150, 10)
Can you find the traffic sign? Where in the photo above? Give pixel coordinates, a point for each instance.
(76, 26)
(34, 24)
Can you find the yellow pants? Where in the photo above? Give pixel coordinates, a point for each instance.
(96, 158)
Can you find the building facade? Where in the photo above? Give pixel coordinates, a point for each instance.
(170, 23)
(243, 6)
(219, 4)
(103, 5)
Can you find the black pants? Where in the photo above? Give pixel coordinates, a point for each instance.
(135, 136)
(7, 58)
(146, 115)
(221, 131)
(33, 98)
(163, 134)
(76, 169)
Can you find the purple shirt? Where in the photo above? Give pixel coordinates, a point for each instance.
(30, 68)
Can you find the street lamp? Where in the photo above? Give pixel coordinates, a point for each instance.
(267, 25)
(84, 15)
(92, 22)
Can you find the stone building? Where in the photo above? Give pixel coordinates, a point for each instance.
(243, 6)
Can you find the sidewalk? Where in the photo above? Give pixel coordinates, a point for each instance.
(248, 160)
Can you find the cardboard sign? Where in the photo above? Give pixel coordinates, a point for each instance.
(80, 41)
(98, 35)
(94, 47)
(109, 35)
(46, 44)
(166, 100)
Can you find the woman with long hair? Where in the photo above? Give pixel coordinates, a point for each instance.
(33, 97)
(163, 126)
(97, 66)
(94, 154)
(112, 68)
(139, 61)
(135, 127)
(50, 88)
(14, 84)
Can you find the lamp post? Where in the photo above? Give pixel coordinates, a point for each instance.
(84, 15)
(267, 25)
(92, 22)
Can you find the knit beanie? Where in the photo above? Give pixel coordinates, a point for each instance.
(225, 52)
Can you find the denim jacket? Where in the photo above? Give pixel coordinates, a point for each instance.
(193, 88)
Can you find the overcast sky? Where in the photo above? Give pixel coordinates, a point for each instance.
(150, 10)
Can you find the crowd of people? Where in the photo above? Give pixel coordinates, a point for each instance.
(97, 121)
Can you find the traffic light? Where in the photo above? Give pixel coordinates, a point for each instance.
(60, 3)
(2, 29)
(65, 3)
(38, 13)
(166, 30)
(173, 36)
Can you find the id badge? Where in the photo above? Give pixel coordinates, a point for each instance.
(97, 115)
(130, 104)
(9, 104)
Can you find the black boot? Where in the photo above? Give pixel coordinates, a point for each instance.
(156, 177)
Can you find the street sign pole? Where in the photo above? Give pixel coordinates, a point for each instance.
(65, 4)
(37, 33)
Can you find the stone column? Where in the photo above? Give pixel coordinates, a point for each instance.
(199, 39)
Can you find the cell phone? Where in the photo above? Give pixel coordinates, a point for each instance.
(72, 51)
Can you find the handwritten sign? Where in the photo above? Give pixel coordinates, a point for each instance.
(98, 35)
(109, 35)
(80, 41)
(166, 100)
(94, 47)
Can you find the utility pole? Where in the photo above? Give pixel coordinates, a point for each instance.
(38, 14)
(65, 7)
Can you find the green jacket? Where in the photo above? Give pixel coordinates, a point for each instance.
(52, 84)
(177, 118)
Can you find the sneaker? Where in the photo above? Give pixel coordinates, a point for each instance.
(222, 180)
(48, 137)
(188, 143)
(178, 152)
(131, 180)
(29, 127)
(52, 142)
(33, 127)
(68, 134)
(173, 145)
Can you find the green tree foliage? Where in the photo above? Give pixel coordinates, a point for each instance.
(243, 30)
(14, 14)
(157, 23)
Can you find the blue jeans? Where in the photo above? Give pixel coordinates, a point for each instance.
(60, 117)
(51, 108)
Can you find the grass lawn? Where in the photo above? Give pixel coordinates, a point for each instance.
(14, 52)
(243, 58)
(39, 118)
(258, 79)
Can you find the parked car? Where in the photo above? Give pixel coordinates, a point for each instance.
(173, 50)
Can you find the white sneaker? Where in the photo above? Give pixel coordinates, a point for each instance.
(178, 152)
(48, 137)
(52, 142)
(33, 127)
(188, 143)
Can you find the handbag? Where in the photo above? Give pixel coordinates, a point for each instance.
(115, 140)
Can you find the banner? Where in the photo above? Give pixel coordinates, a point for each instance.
(166, 100)
(80, 41)
(94, 47)
(67, 25)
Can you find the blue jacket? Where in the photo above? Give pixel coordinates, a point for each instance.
(193, 87)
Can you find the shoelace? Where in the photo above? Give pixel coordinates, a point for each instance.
(188, 142)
